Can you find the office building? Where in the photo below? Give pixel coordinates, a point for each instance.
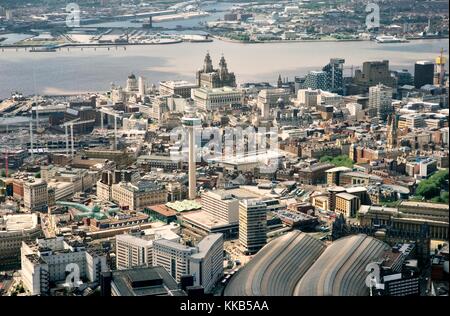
(252, 225)
(347, 204)
(134, 250)
(206, 266)
(335, 72)
(211, 99)
(44, 262)
(423, 73)
(308, 97)
(204, 261)
(372, 73)
(14, 229)
(35, 195)
(317, 80)
(380, 101)
(179, 87)
(137, 195)
(221, 205)
(173, 256)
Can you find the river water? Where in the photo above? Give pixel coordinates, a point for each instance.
(89, 70)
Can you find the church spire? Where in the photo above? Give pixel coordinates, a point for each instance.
(280, 81)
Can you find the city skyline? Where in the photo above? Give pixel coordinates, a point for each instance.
(248, 151)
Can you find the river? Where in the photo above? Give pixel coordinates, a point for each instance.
(89, 70)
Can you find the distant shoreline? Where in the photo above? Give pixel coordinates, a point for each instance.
(224, 39)
(220, 38)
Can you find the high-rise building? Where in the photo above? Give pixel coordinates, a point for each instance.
(372, 73)
(252, 225)
(35, 195)
(404, 77)
(215, 78)
(204, 262)
(221, 205)
(380, 98)
(335, 71)
(317, 80)
(191, 121)
(423, 73)
(206, 266)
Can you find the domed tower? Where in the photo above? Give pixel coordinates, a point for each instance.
(132, 83)
(280, 103)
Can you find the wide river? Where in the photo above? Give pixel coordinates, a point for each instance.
(89, 70)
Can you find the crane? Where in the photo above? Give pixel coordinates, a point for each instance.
(115, 115)
(440, 63)
(71, 124)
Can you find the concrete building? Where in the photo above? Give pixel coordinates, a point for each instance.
(35, 195)
(47, 261)
(179, 87)
(211, 99)
(14, 229)
(333, 175)
(221, 205)
(252, 225)
(380, 98)
(347, 204)
(206, 266)
(204, 262)
(136, 250)
(308, 97)
(372, 73)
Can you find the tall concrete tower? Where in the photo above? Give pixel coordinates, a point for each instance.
(191, 121)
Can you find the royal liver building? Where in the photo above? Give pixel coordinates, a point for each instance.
(215, 78)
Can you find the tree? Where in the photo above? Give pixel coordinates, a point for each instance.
(3, 173)
(338, 161)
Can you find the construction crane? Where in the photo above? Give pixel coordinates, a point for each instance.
(115, 115)
(71, 124)
(440, 63)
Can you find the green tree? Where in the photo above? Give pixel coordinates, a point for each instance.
(3, 173)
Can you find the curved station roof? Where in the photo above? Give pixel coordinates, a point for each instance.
(301, 265)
